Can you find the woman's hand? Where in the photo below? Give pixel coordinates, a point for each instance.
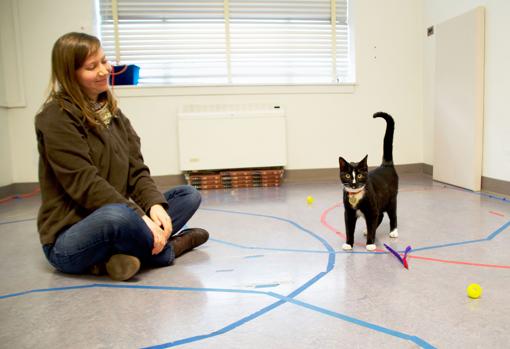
(158, 234)
(159, 216)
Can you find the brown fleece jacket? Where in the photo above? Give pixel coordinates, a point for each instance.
(82, 168)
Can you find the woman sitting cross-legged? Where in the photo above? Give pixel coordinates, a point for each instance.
(101, 210)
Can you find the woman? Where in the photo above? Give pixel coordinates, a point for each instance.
(101, 210)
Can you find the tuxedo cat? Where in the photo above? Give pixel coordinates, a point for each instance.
(370, 194)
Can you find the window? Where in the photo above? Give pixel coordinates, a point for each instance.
(229, 41)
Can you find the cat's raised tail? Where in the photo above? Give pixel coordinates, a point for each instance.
(388, 138)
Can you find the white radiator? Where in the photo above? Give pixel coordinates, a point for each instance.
(215, 137)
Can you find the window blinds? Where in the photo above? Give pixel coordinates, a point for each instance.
(230, 41)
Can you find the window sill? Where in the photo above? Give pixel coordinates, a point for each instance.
(151, 91)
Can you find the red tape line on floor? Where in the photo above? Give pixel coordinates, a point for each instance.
(20, 196)
(342, 235)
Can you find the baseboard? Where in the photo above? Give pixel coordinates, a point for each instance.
(496, 186)
(331, 174)
(490, 185)
(312, 175)
(18, 188)
(163, 182)
(290, 176)
(166, 182)
(427, 169)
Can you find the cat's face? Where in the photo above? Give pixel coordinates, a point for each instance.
(353, 175)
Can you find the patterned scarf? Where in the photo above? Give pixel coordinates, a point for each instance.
(103, 113)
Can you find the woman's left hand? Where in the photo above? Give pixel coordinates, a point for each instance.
(159, 216)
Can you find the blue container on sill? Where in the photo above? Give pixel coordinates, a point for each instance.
(124, 75)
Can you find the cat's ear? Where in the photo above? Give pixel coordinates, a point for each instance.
(342, 162)
(362, 165)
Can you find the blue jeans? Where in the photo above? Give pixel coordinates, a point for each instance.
(116, 228)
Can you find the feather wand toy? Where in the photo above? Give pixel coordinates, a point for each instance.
(402, 260)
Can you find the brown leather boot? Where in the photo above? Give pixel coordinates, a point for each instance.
(122, 267)
(187, 240)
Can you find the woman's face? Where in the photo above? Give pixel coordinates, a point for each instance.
(93, 74)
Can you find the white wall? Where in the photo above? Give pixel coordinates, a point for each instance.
(41, 23)
(321, 125)
(496, 145)
(11, 81)
(10, 87)
(5, 149)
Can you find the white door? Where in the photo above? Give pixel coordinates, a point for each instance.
(459, 89)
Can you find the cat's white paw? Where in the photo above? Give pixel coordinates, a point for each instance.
(346, 247)
(371, 247)
(394, 233)
(365, 232)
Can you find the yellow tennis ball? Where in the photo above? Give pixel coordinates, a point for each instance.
(309, 200)
(474, 291)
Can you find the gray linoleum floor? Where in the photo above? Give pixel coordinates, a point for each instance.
(273, 275)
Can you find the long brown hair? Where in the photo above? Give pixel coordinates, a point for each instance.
(69, 53)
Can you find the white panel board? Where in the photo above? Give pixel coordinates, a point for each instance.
(459, 90)
(231, 137)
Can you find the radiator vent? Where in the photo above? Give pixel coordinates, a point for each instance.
(231, 136)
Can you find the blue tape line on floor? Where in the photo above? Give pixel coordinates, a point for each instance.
(498, 231)
(264, 248)
(222, 330)
(289, 299)
(275, 284)
(331, 251)
(488, 238)
(490, 196)
(431, 247)
(331, 263)
(285, 299)
(281, 300)
(359, 322)
(43, 290)
(18, 221)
